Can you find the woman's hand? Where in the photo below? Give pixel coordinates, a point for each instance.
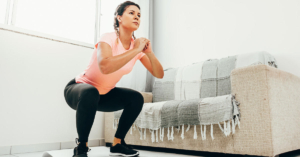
(148, 48)
(140, 44)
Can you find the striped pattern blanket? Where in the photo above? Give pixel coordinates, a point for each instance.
(221, 110)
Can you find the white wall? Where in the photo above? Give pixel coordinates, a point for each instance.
(34, 72)
(196, 30)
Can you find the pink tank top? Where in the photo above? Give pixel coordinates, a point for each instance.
(105, 82)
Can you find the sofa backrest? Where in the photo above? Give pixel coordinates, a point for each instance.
(203, 79)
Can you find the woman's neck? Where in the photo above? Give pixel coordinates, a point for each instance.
(125, 37)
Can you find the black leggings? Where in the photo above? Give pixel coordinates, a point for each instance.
(86, 100)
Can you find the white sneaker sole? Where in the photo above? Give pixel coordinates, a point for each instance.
(118, 154)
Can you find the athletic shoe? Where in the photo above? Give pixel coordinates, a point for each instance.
(124, 144)
(119, 149)
(81, 149)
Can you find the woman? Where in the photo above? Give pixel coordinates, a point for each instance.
(94, 90)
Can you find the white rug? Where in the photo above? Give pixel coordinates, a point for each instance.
(102, 151)
(94, 152)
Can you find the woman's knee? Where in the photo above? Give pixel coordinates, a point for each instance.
(141, 98)
(138, 99)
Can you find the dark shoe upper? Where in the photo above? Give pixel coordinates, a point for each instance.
(119, 148)
(124, 144)
(81, 149)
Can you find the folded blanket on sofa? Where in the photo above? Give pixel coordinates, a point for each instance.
(202, 82)
(254, 58)
(205, 79)
(190, 81)
(176, 113)
(216, 77)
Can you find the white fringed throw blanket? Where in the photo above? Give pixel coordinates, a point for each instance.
(197, 94)
(177, 113)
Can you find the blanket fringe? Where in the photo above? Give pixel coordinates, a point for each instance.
(187, 128)
(226, 129)
(163, 133)
(168, 133)
(160, 134)
(172, 134)
(115, 123)
(182, 134)
(221, 127)
(233, 126)
(229, 128)
(238, 121)
(141, 134)
(195, 132)
(211, 132)
(178, 129)
(203, 133)
(156, 135)
(152, 135)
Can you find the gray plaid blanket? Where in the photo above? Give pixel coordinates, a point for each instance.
(176, 113)
(197, 94)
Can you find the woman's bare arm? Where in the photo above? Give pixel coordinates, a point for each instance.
(108, 63)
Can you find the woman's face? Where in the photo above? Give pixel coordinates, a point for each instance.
(131, 18)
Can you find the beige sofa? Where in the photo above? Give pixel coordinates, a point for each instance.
(270, 108)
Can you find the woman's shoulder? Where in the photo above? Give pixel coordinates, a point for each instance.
(110, 34)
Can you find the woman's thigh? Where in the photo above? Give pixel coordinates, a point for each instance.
(73, 92)
(117, 98)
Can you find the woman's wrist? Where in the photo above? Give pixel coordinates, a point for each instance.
(137, 50)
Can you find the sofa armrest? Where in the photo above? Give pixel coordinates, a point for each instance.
(284, 100)
(148, 97)
(270, 110)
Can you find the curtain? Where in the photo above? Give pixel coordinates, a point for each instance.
(140, 78)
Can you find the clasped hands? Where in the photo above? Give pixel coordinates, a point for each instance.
(143, 45)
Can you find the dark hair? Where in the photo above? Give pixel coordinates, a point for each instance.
(119, 11)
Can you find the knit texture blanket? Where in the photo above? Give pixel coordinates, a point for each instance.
(177, 113)
(196, 94)
(254, 58)
(204, 79)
